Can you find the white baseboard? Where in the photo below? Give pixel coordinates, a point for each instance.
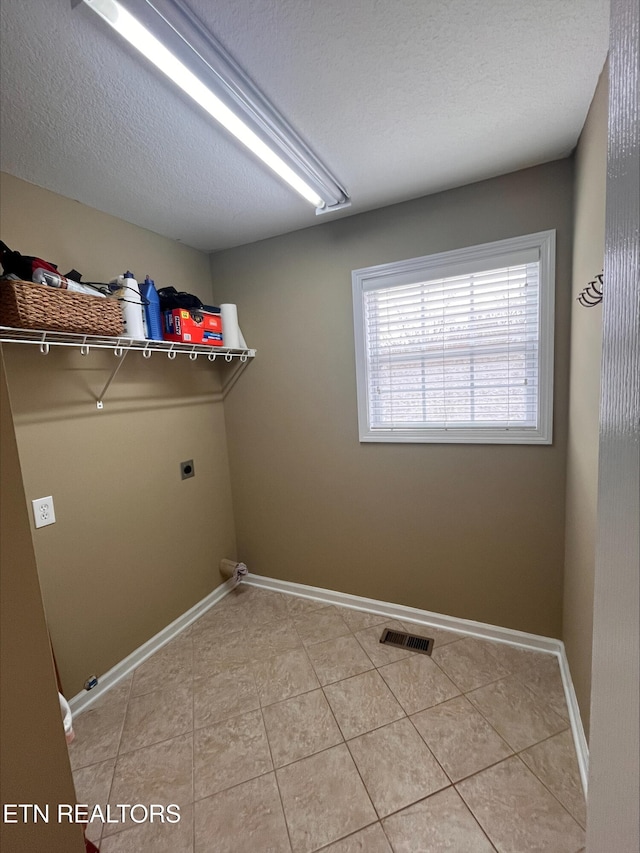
(410, 614)
(468, 627)
(84, 700)
(402, 612)
(577, 729)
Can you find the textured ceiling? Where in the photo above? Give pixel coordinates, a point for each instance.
(400, 98)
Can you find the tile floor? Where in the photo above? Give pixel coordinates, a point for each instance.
(280, 725)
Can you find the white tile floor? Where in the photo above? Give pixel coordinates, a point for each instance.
(280, 725)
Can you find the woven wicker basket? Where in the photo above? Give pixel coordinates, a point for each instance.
(25, 305)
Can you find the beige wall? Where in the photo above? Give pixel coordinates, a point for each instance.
(134, 546)
(35, 763)
(584, 397)
(472, 531)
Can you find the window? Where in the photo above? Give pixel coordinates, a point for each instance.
(458, 347)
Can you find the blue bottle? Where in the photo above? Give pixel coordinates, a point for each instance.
(152, 317)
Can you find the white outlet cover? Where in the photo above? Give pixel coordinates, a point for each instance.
(43, 511)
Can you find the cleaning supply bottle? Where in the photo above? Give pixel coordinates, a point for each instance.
(152, 316)
(129, 294)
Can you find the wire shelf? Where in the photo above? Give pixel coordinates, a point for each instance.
(85, 343)
(121, 347)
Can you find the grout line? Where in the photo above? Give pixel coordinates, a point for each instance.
(353, 675)
(311, 755)
(482, 769)
(116, 758)
(543, 740)
(364, 784)
(428, 797)
(288, 698)
(541, 780)
(350, 835)
(388, 840)
(488, 722)
(545, 786)
(332, 712)
(522, 678)
(486, 719)
(275, 776)
(373, 664)
(431, 752)
(477, 820)
(464, 692)
(417, 802)
(482, 714)
(231, 787)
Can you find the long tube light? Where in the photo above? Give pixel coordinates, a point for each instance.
(323, 195)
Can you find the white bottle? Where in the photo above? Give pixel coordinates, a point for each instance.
(131, 307)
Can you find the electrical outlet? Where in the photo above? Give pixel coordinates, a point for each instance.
(43, 511)
(187, 469)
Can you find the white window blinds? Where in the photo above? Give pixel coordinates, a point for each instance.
(457, 354)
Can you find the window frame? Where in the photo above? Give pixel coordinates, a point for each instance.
(443, 265)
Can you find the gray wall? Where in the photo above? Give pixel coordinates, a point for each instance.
(471, 531)
(614, 766)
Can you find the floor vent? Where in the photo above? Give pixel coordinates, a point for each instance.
(424, 645)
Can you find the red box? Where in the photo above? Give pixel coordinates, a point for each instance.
(192, 327)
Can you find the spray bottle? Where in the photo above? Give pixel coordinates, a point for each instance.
(152, 316)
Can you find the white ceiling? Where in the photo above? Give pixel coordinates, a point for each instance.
(399, 98)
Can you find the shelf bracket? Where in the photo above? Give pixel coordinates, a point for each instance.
(233, 378)
(121, 354)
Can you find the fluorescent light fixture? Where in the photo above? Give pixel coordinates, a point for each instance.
(309, 177)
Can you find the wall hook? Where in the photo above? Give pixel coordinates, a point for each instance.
(592, 294)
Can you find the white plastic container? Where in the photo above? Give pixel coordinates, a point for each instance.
(67, 719)
(129, 294)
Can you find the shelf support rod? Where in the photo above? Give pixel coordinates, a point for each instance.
(233, 378)
(100, 399)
